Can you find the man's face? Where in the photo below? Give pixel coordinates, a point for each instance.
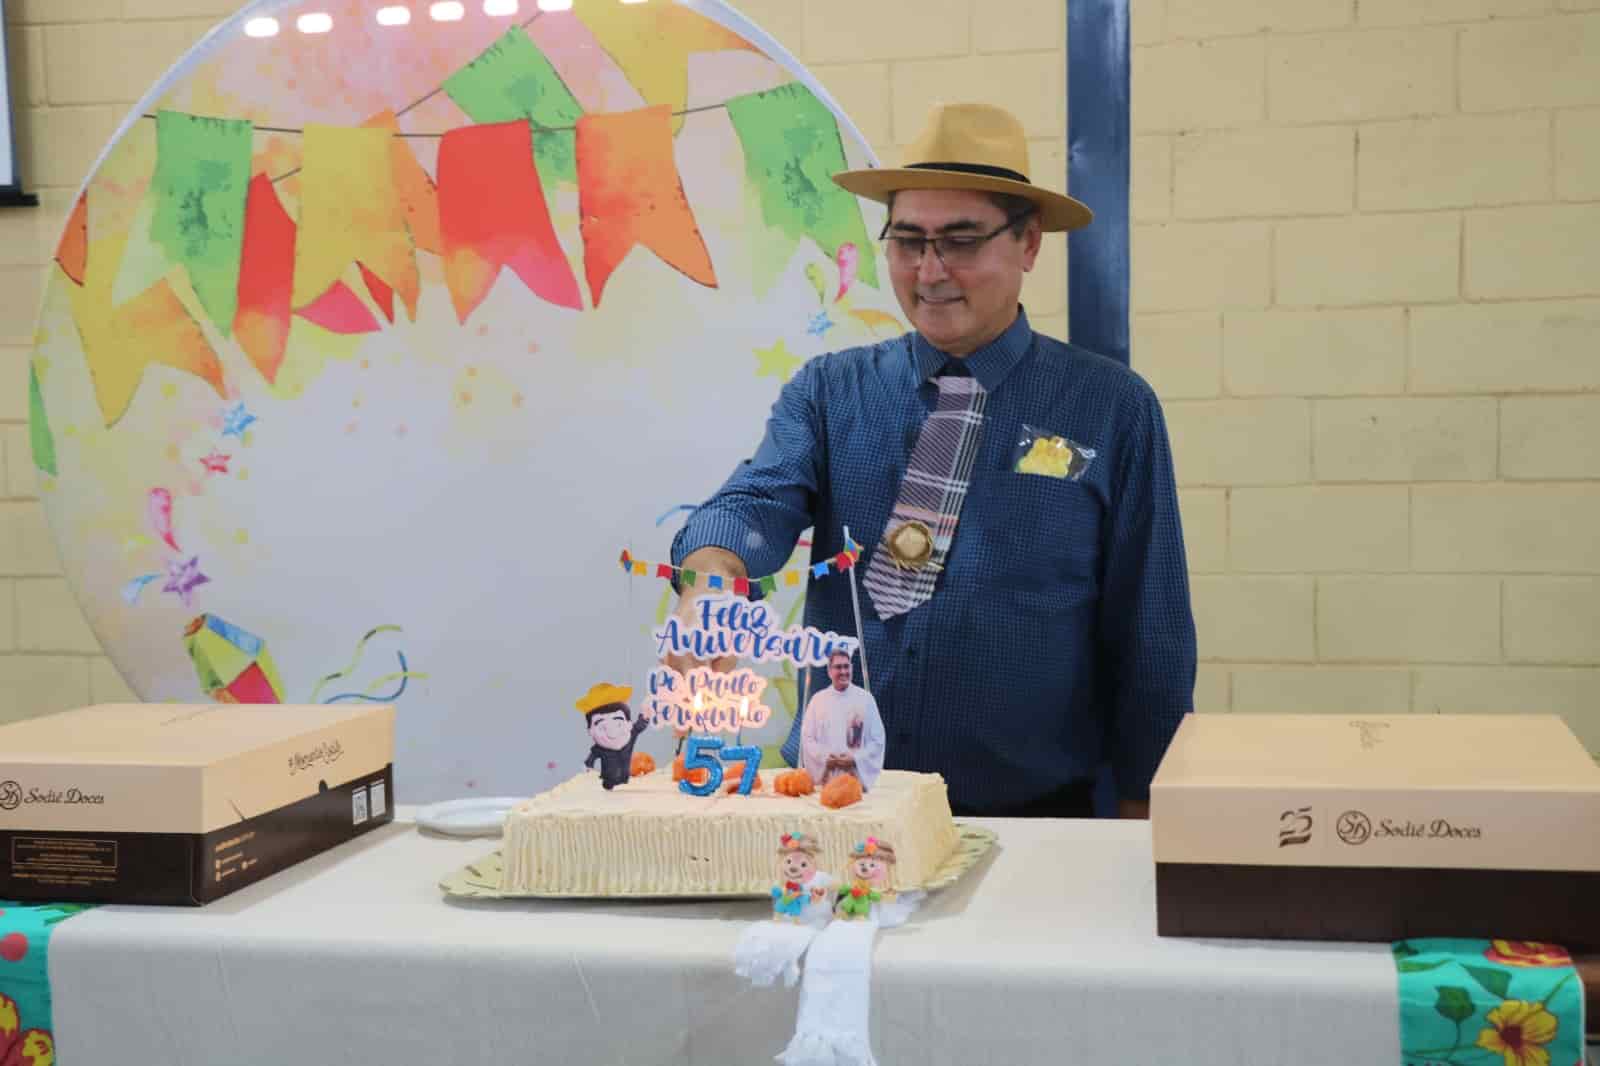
(610, 730)
(839, 673)
(963, 308)
(797, 866)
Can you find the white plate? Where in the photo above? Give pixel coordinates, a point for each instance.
(481, 816)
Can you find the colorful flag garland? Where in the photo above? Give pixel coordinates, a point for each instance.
(367, 203)
(741, 586)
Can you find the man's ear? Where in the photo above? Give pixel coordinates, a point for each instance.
(1032, 240)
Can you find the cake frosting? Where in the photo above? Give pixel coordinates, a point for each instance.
(649, 838)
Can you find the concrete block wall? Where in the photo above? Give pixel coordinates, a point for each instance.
(1365, 285)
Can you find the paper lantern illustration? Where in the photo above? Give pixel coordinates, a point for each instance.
(233, 666)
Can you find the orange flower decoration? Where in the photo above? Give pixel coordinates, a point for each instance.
(841, 791)
(1518, 1031)
(793, 783)
(642, 764)
(698, 776)
(1529, 953)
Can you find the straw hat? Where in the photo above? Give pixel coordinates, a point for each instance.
(969, 146)
(604, 695)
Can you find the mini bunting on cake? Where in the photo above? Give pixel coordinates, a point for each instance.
(685, 578)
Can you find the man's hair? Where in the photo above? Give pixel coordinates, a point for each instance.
(1019, 208)
(835, 653)
(610, 708)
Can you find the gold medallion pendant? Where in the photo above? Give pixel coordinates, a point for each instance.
(910, 545)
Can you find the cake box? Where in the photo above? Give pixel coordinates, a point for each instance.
(184, 803)
(1378, 828)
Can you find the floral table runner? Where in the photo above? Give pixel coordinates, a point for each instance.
(1488, 1003)
(25, 1035)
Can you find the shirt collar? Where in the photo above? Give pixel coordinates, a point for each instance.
(990, 364)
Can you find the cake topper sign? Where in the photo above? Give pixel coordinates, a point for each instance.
(708, 701)
(705, 701)
(732, 625)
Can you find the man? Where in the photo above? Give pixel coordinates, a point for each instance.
(1025, 612)
(613, 730)
(842, 731)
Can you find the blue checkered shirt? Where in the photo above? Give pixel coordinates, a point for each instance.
(1059, 636)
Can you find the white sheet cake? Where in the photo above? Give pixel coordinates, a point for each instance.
(648, 838)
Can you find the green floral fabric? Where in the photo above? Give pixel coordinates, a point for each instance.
(1488, 1003)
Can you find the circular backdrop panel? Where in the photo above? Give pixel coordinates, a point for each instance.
(380, 330)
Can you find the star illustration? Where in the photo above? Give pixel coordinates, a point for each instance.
(235, 420)
(820, 324)
(183, 577)
(215, 463)
(777, 361)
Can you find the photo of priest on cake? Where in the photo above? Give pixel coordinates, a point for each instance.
(1024, 625)
(614, 731)
(843, 732)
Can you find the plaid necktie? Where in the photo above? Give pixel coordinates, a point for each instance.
(930, 496)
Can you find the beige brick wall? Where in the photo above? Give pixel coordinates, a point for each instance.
(1402, 447)
(1365, 285)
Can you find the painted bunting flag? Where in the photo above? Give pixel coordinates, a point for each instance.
(652, 44)
(512, 80)
(120, 342)
(492, 214)
(792, 149)
(381, 294)
(41, 441)
(350, 211)
(73, 247)
(266, 279)
(196, 206)
(419, 197)
(629, 193)
(340, 310)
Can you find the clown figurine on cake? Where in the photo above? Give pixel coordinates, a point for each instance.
(803, 886)
(614, 731)
(869, 879)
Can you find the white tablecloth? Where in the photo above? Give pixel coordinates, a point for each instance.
(1046, 953)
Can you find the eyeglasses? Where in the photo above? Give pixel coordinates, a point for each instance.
(954, 250)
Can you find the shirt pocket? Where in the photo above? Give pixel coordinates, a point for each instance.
(1045, 529)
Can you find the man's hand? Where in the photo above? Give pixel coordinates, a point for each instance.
(704, 561)
(1133, 809)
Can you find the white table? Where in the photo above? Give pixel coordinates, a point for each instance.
(1046, 953)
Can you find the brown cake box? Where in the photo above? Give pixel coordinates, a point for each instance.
(1379, 828)
(184, 803)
